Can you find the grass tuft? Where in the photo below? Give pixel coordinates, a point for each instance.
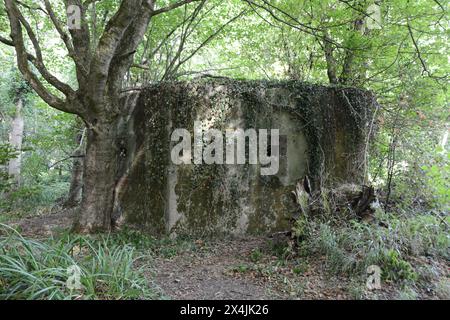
(32, 269)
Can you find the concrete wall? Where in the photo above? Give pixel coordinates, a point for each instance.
(322, 134)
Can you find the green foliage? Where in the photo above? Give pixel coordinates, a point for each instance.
(443, 289)
(39, 197)
(31, 269)
(407, 293)
(395, 268)
(281, 249)
(351, 248)
(241, 268)
(256, 255)
(437, 177)
(301, 228)
(164, 247)
(6, 153)
(12, 86)
(48, 138)
(135, 238)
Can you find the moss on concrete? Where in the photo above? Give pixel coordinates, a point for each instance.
(206, 199)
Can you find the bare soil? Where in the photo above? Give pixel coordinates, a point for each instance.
(45, 225)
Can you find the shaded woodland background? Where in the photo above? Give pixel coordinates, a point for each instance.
(404, 61)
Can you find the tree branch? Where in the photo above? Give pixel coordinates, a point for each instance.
(39, 62)
(81, 43)
(172, 6)
(416, 46)
(107, 47)
(65, 38)
(8, 42)
(124, 55)
(23, 57)
(30, 7)
(210, 37)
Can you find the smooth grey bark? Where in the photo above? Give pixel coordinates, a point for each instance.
(15, 140)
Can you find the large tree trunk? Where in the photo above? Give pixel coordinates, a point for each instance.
(15, 140)
(99, 179)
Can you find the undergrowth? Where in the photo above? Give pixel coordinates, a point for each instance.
(350, 247)
(32, 269)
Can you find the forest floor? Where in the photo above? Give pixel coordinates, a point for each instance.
(241, 269)
(237, 268)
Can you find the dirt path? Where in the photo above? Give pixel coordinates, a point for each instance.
(208, 273)
(242, 269)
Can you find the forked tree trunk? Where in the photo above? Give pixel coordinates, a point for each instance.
(100, 72)
(99, 179)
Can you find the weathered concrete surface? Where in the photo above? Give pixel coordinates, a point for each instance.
(323, 134)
